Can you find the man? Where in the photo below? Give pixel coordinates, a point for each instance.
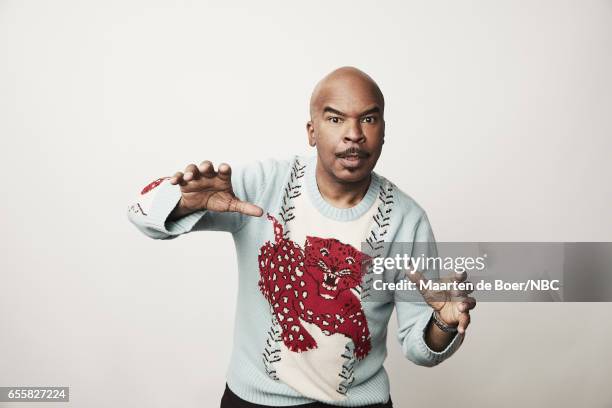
(306, 334)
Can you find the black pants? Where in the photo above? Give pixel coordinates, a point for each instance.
(231, 400)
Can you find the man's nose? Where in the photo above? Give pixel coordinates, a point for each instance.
(355, 133)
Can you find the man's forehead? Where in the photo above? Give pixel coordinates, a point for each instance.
(347, 89)
(350, 101)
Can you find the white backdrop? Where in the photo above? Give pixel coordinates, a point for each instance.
(498, 124)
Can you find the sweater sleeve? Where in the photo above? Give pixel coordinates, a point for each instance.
(149, 211)
(413, 317)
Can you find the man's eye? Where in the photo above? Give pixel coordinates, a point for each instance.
(334, 119)
(369, 119)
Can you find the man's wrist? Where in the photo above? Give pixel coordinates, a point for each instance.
(179, 211)
(442, 325)
(437, 339)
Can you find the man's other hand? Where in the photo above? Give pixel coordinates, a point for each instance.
(453, 306)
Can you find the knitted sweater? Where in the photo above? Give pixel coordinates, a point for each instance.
(305, 330)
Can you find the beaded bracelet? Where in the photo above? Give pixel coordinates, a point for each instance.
(441, 325)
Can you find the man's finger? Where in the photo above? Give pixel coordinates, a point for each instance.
(415, 276)
(245, 208)
(191, 173)
(459, 293)
(431, 296)
(460, 277)
(467, 304)
(207, 169)
(462, 292)
(225, 172)
(464, 322)
(177, 178)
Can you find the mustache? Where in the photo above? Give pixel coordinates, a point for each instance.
(353, 151)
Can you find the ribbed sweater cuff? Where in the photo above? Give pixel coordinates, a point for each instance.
(168, 195)
(435, 357)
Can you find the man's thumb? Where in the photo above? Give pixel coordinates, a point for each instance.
(246, 208)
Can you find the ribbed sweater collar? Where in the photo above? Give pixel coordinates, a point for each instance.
(328, 210)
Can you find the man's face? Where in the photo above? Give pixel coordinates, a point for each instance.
(347, 127)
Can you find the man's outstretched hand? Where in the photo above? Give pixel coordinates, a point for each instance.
(203, 188)
(453, 306)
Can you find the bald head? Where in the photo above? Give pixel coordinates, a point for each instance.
(343, 82)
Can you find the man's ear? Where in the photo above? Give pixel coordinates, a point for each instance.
(310, 132)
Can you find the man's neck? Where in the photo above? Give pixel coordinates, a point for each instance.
(337, 193)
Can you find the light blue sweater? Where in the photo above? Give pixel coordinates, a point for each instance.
(261, 344)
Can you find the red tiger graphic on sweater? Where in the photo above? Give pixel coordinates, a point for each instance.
(313, 284)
